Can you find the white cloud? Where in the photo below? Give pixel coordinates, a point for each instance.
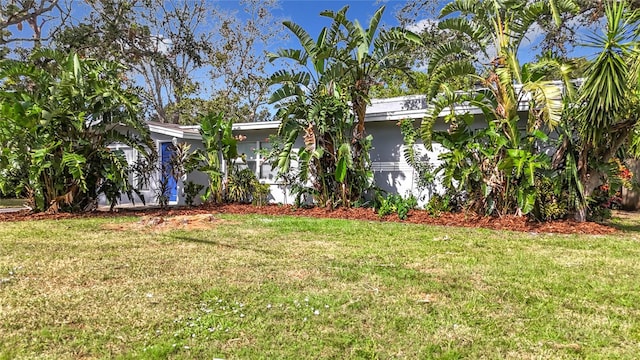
(421, 25)
(161, 43)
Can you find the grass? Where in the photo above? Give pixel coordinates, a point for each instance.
(294, 288)
(6, 203)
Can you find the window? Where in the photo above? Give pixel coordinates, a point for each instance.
(255, 161)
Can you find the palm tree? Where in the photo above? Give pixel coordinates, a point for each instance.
(486, 27)
(610, 97)
(326, 100)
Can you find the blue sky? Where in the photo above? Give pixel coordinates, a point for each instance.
(307, 12)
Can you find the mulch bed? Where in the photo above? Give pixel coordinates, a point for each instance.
(512, 223)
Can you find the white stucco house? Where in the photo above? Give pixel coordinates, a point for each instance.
(392, 173)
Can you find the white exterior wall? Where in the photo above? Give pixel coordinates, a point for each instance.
(391, 172)
(150, 190)
(258, 139)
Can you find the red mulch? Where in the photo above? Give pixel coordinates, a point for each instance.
(512, 223)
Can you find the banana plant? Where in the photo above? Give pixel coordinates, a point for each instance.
(58, 115)
(496, 29)
(521, 167)
(316, 103)
(220, 145)
(367, 55)
(608, 120)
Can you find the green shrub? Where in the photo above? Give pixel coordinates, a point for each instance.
(601, 201)
(395, 204)
(240, 185)
(191, 190)
(261, 194)
(438, 204)
(549, 204)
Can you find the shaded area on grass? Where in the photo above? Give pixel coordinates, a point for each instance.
(628, 221)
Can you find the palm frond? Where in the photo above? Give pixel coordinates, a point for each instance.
(547, 97)
(297, 55)
(605, 90)
(447, 72)
(303, 36)
(471, 29)
(290, 77)
(463, 6)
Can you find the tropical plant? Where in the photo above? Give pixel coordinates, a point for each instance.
(191, 190)
(416, 159)
(241, 185)
(609, 99)
(339, 68)
(182, 160)
(368, 55)
(219, 146)
(395, 204)
(497, 164)
(312, 103)
(260, 196)
(163, 190)
(58, 115)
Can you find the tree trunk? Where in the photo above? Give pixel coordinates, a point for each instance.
(360, 109)
(590, 182)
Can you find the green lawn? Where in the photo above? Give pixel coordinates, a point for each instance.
(5, 203)
(296, 288)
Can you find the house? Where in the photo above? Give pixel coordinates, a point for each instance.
(392, 173)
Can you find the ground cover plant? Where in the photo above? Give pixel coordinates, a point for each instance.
(257, 286)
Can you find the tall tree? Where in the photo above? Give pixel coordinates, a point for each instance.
(239, 58)
(367, 55)
(310, 101)
(16, 15)
(337, 73)
(165, 43)
(497, 28)
(558, 27)
(609, 118)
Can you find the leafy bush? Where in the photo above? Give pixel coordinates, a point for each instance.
(163, 191)
(191, 190)
(241, 185)
(395, 204)
(261, 194)
(438, 204)
(601, 201)
(549, 203)
(58, 115)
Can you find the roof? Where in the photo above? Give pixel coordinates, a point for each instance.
(390, 109)
(175, 130)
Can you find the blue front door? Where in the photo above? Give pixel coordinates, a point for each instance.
(172, 189)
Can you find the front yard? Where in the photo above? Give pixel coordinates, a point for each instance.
(256, 286)
(6, 203)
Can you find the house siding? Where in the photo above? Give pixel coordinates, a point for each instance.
(392, 173)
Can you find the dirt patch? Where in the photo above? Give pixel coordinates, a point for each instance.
(149, 223)
(512, 223)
